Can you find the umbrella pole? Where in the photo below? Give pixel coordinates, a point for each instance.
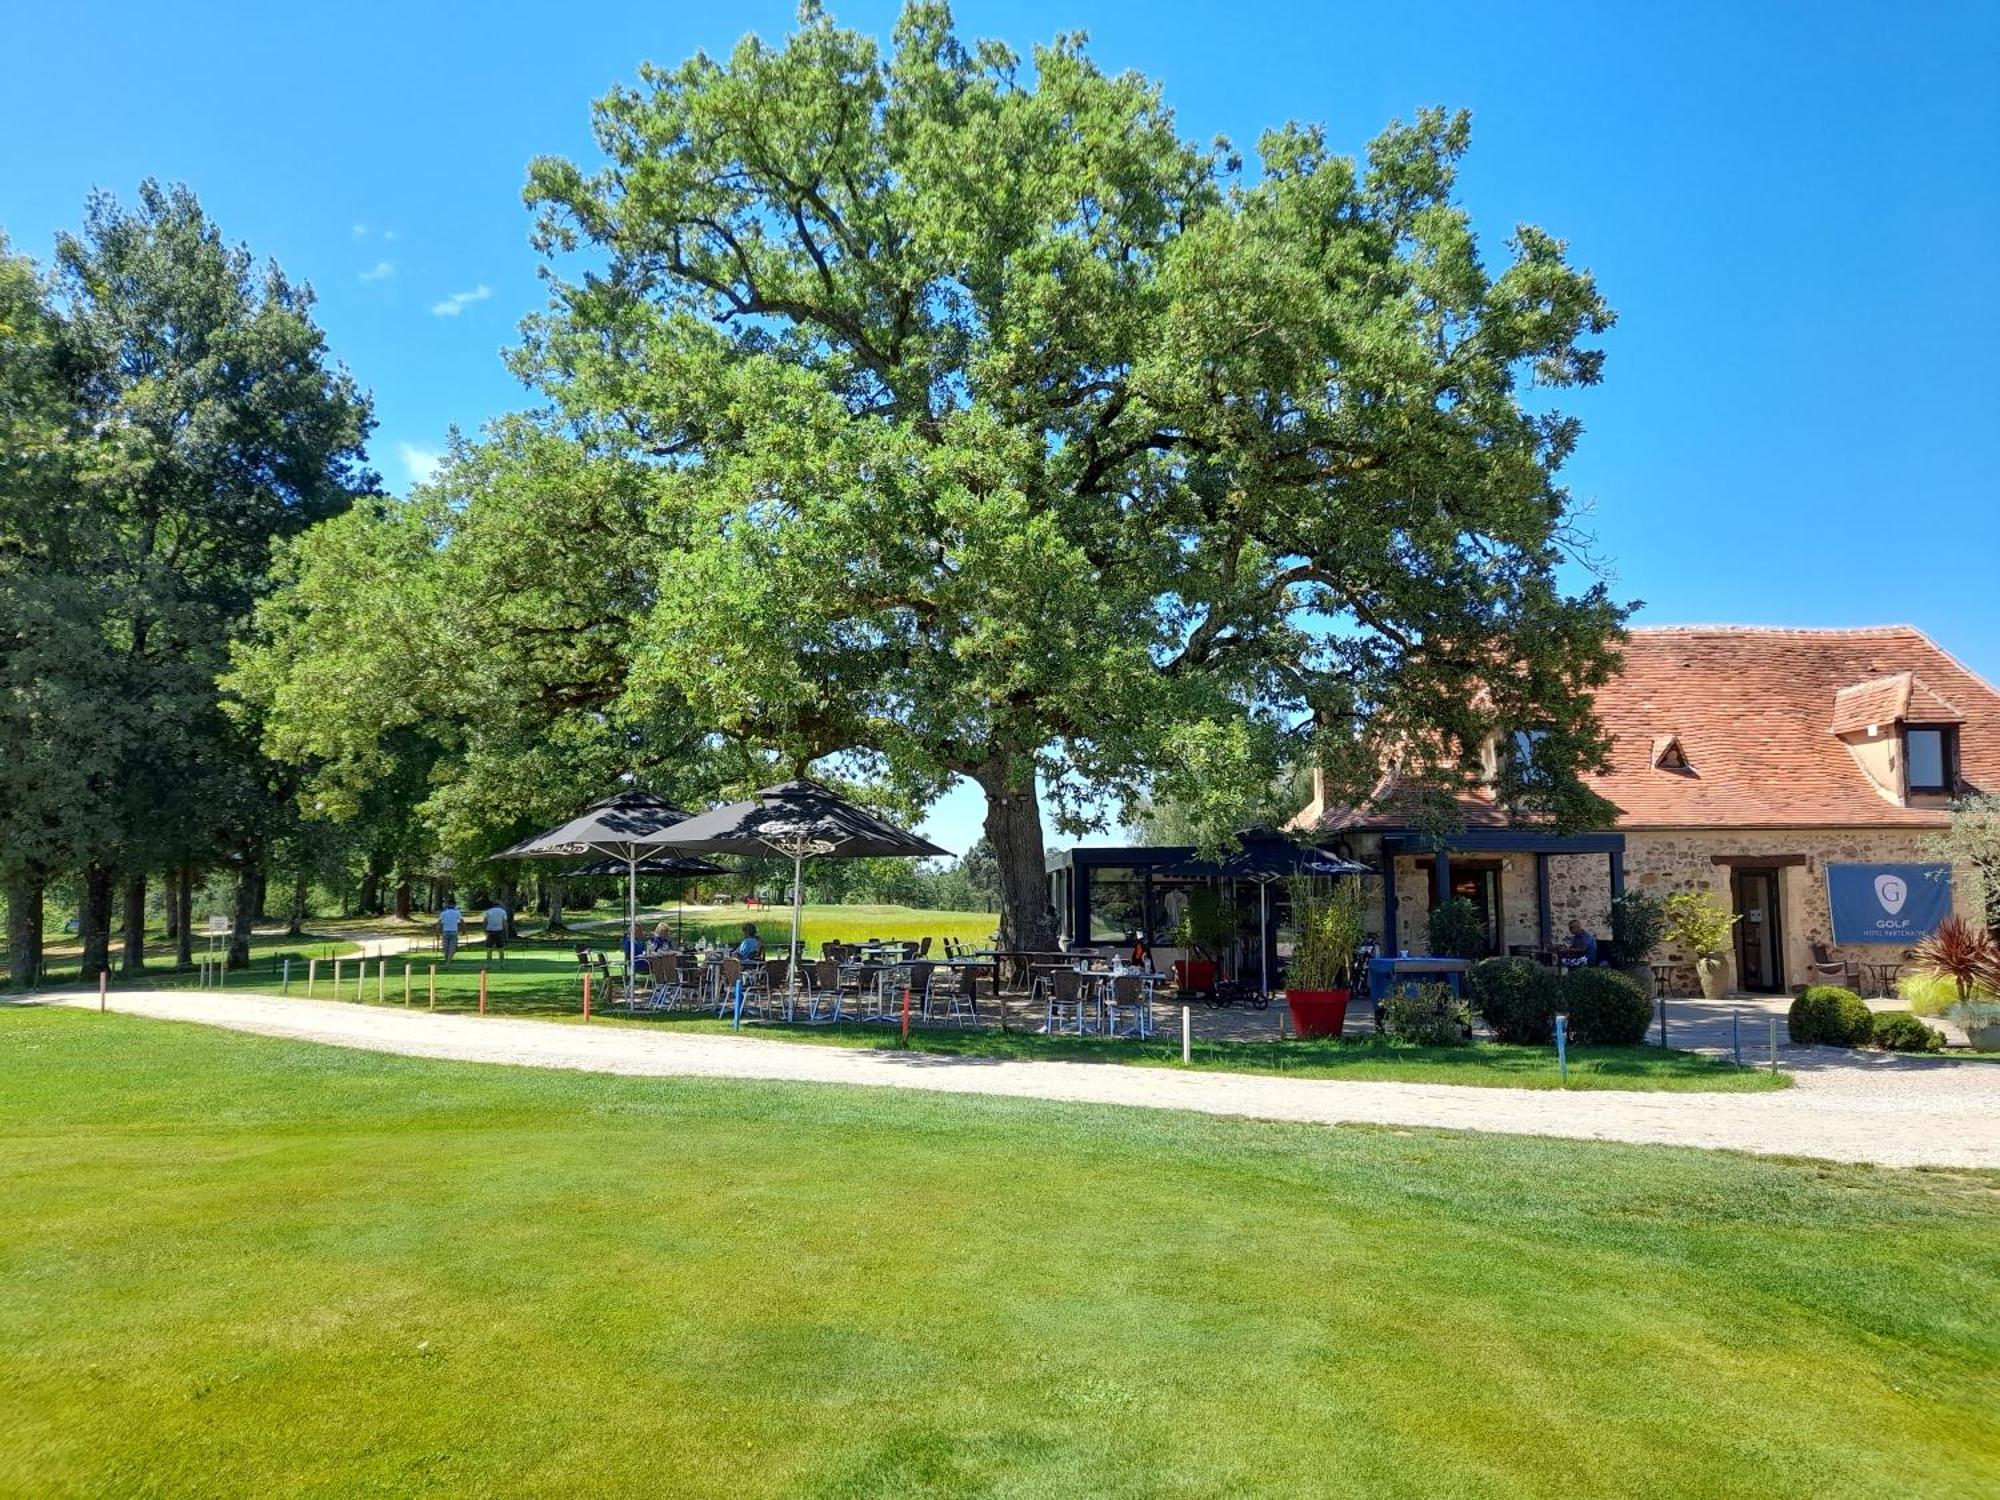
(1263, 940)
(631, 942)
(798, 899)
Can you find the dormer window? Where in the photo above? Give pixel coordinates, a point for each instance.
(1668, 754)
(1526, 742)
(1930, 754)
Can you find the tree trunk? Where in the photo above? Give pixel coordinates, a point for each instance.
(135, 926)
(24, 929)
(262, 897)
(555, 908)
(370, 904)
(1014, 825)
(295, 919)
(184, 919)
(93, 920)
(245, 916)
(170, 902)
(510, 895)
(402, 901)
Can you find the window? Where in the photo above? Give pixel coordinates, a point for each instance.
(1526, 743)
(1117, 903)
(1927, 756)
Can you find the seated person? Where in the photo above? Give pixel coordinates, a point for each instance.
(662, 940)
(1581, 949)
(751, 947)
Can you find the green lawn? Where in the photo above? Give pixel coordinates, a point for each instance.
(536, 980)
(62, 955)
(237, 1266)
(817, 924)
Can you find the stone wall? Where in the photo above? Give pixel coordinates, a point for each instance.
(1663, 863)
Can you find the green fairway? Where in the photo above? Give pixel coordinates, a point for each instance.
(817, 924)
(540, 981)
(237, 1266)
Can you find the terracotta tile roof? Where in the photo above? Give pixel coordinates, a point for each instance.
(1885, 700)
(1755, 711)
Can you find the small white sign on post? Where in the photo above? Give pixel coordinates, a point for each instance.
(218, 927)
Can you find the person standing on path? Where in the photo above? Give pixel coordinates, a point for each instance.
(449, 921)
(496, 931)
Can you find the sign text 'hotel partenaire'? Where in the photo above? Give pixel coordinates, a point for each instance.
(1887, 903)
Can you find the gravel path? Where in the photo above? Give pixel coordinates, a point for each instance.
(1846, 1106)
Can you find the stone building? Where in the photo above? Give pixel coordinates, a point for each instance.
(1744, 763)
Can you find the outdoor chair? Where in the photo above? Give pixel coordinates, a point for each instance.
(729, 973)
(1131, 999)
(822, 988)
(1826, 969)
(591, 963)
(959, 990)
(923, 949)
(1063, 998)
(778, 986)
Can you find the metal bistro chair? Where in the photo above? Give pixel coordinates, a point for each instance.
(778, 987)
(1063, 996)
(728, 972)
(1132, 997)
(821, 987)
(958, 989)
(913, 975)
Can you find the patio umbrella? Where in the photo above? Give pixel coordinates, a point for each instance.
(1264, 855)
(799, 820)
(627, 827)
(657, 865)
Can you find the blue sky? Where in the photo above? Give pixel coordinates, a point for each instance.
(1794, 208)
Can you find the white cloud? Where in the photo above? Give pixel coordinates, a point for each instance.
(382, 270)
(457, 302)
(388, 234)
(360, 231)
(419, 463)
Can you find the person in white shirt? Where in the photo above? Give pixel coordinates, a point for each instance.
(449, 921)
(496, 930)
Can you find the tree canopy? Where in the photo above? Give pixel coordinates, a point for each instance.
(995, 428)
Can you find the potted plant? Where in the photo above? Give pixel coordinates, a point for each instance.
(1206, 929)
(1457, 929)
(1696, 923)
(1966, 954)
(1319, 981)
(1638, 922)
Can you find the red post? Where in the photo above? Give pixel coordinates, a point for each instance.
(906, 1015)
(103, 981)
(586, 994)
(482, 992)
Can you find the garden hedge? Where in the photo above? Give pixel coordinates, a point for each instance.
(1828, 1016)
(1606, 1008)
(1517, 999)
(1901, 1031)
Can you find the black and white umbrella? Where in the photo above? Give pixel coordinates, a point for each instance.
(1264, 855)
(799, 820)
(628, 827)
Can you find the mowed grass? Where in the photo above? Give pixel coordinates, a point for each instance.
(62, 955)
(818, 923)
(237, 1266)
(537, 981)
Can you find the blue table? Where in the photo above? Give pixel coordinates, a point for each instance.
(1386, 974)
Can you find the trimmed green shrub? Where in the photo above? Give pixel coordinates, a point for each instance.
(1899, 1031)
(1517, 1000)
(1456, 929)
(1606, 1008)
(1429, 1015)
(1828, 1016)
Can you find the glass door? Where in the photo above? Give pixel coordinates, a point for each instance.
(1758, 945)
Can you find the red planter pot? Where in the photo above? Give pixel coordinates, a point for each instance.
(1318, 1012)
(1194, 975)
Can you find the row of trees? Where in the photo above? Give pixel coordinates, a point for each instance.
(168, 416)
(916, 413)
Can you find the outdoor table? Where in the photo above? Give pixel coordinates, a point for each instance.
(1386, 974)
(1885, 972)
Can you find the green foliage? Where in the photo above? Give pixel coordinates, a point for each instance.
(1518, 999)
(1457, 930)
(1208, 924)
(1899, 1031)
(1962, 952)
(1427, 1015)
(1971, 846)
(1828, 1016)
(1638, 923)
(991, 428)
(1698, 924)
(1926, 994)
(1329, 917)
(1605, 1008)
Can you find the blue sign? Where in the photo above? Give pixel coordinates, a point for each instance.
(1887, 903)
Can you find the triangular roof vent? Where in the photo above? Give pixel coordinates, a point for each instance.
(1669, 754)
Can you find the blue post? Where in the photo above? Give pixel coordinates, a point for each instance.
(736, 1021)
(1736, 1035)
(1562, 1046)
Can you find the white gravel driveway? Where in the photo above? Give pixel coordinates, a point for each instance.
(1857, 1107)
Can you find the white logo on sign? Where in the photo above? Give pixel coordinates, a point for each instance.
(1891, 892)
